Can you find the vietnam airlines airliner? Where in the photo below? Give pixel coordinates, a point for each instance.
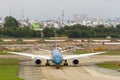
(56, 57)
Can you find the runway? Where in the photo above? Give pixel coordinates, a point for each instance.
(86, 70)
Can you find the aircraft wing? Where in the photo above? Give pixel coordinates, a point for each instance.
(81, 55)
(32, 55)
(71, 49)
(45, 50)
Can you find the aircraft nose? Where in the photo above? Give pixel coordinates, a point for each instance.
(58, 61)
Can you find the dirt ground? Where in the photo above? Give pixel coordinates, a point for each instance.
(86, 70)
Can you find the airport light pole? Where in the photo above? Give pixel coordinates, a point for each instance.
(90, 45)
(42, 35)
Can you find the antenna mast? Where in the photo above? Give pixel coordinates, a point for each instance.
(22, 17)
(62, 23)
(10, 11)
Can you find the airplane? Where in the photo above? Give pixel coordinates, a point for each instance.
(56, 57)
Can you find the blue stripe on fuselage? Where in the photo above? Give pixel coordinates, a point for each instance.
(57, 57)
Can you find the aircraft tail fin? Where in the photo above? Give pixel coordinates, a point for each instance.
(55, 39)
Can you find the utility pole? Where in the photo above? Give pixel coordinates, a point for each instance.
(62, 21)
(22, 17)
(10, 11)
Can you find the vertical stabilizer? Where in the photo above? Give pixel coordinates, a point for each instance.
(55, 39)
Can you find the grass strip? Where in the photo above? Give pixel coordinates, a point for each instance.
(9, 69)
(110, 65)
(117, 52)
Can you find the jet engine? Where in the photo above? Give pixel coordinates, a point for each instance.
(75, 61)
(38, 61)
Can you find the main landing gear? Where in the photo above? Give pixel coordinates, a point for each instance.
(66, 63)
(57, 67)
(47, 64)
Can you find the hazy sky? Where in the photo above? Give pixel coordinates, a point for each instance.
(51, 9)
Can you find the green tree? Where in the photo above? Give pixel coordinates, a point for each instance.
(10, 22)
(74, 33)
(49, 32)
(7, 31)
(118, 27)
(100, 31)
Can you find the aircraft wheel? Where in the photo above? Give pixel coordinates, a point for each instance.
(47, 64)
(65, 64)
(57, 67)
(37, 65)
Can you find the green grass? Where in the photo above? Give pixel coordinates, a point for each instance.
(110, 65)
(4, 53)
(117, 52)
(112, 53)
(15, 42)
(9, 69)
(80, 52)
(7, 52)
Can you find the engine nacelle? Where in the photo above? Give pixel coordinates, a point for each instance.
(38, 61)
(75, 61)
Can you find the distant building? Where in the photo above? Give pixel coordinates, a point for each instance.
(0, 18)
(24, 24)
(50, 24)
(36, 25)
(85, 20)
(1, 23)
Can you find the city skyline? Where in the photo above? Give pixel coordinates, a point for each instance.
(46, 9)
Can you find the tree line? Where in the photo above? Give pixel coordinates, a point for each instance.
(81, 31)
(12, 29)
